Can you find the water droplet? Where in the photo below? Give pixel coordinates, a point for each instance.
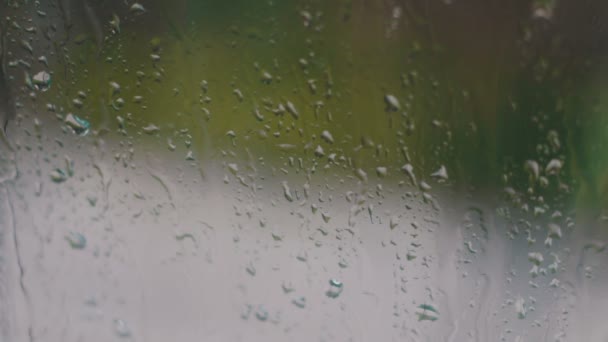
(58, 176)
(251, 270)
(554, 231)
(326, 217)
(392, 104)
(189, 156)
(553, 138)
(27, 46)
(233, 168)
(79, 126)
(115, 23)
(266, 77)
(409, 170)
(520, 308)
(42, 81)
(381, 171)
(554, 167)
(114, 88)
(319, 151)
(362, 175)
(393, 222)
(441, 174)
(261, 313)
(121, 328)
(76, 240)
(325, 135)
(258, 115)
(335, 289)
(292, 110)
(427, 312)
(137, 8)
(287, 192)
(531, 166)
(470, 248)
(299, 302)
(151, 129)
(535, 257)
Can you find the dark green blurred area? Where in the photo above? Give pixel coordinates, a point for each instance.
(481, 83)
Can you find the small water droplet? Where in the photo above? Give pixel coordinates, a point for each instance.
(137, 8)
(292, 110)
(121, 328)
(427, 312)
(441, 174)
(327, 136)
(392, 104)
(58, 176)
(261, 313)
(381, 171)
(554, 167)
(520, 308)
(299, 302)
(151, 129)
(335, 289)
(287, 192)
(76, 240)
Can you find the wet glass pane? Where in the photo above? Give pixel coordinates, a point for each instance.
(305, 170)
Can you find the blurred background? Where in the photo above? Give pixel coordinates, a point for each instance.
(303, 170)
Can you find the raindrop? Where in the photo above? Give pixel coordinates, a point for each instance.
(114, 88)
(42, 81)
(287, 192)
(535, 257)
(189, 156)
(326, 217)
(394, 222)
(554, 167)
(554, 231)
(326, 135)
(520, 308)
(151, 129)
(409, 170)
(381, 171)
(78, 125)
(427, 312)
(58, 176)
(335, 288)
(251, 270)
(292, 110)
(115, 23)
(319, 151)
(362, 175)
(137, 8)
(76, 240)
(261, 313)
(441, 174)
(121, 328)
(531, 166)
(299, 302)
(392, 104)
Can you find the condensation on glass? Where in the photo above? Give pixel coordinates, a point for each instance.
(350, 170)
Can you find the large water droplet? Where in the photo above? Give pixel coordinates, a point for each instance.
(78, 125)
